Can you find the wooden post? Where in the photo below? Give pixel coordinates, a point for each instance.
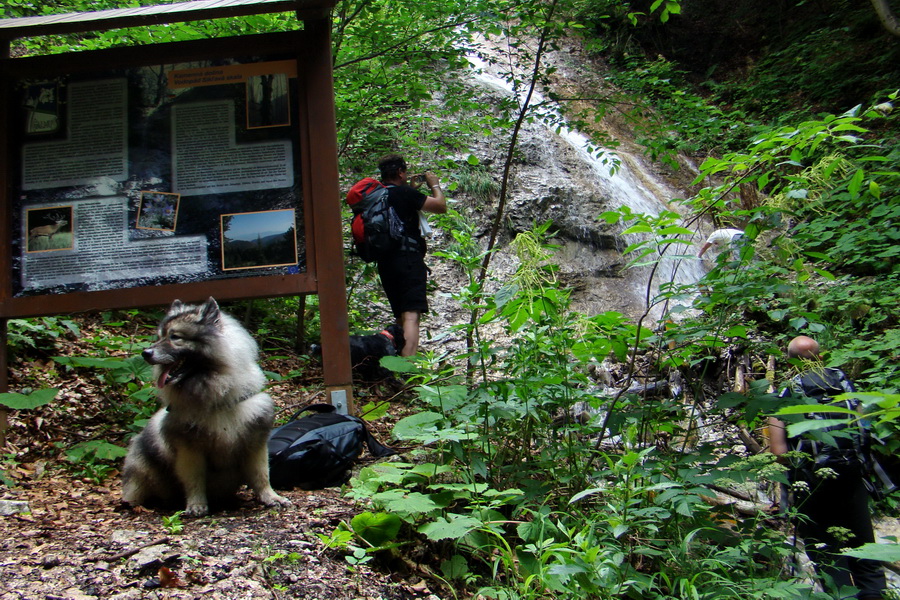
(300, 336)
(329, 246)
(5, 266)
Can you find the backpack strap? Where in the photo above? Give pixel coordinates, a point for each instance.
(376, 448)
(320, 407)
(406, 242)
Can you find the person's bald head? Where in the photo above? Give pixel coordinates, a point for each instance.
(803, 347)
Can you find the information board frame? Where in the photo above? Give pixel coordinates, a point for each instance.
(126, 60)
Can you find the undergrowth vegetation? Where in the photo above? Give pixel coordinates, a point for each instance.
(535, 478)
(539, 477)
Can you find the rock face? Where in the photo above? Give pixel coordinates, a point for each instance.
(554, 177)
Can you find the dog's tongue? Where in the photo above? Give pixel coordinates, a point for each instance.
(163, 378)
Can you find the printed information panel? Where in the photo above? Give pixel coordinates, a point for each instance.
(164, 174)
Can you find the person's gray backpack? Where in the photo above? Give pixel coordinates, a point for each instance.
(844, 445)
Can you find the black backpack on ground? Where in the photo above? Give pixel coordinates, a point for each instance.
(319, 450)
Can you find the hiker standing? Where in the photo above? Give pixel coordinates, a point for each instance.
(720, 238)
(403, 273)
(824, 500)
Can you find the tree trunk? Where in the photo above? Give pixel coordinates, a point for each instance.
(886, 16)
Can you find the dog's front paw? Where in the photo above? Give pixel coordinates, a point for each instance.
(270, 498)
(196, 509)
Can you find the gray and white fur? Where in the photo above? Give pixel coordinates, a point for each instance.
(210, 436)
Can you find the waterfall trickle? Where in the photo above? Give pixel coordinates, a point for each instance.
(589, 171)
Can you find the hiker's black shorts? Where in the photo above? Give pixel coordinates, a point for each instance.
(404, 278)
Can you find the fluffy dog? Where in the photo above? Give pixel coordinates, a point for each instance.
(210, 436)
(367, 350)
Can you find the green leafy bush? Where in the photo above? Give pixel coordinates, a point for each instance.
(38, 333)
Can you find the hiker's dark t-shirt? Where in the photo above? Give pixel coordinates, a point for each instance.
(403, 273)
(407, 202)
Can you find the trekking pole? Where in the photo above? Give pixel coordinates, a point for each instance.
(770, 377)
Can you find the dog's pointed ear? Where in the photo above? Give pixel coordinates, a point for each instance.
(210, 311)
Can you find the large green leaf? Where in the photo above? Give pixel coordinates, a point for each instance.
(132, 367)
(453, 527)
(376, 528)
(372, 411)
(96, 448)
(795, 429)
(28, 401)
(398, 364)
(802, 409)
(882, 552)
(405, 504)
(455, 567)
(413, 425)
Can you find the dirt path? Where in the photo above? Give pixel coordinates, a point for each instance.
(79, 542)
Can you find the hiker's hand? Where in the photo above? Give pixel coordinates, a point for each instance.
(416, 181)
(431, 179)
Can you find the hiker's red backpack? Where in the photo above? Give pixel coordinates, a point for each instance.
(375, 226)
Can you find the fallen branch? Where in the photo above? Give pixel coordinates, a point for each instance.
(749, 441)
(127, 553)
(739, 494)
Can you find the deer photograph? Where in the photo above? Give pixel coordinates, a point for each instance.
(46, 229)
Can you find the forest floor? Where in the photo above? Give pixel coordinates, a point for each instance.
(76, 540)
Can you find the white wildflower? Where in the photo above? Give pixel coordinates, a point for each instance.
(826, 473)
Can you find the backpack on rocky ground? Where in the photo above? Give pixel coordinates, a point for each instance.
(376, 227)
(319, 450)
(846, 443)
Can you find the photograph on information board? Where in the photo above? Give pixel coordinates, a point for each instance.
(258, 239)
(158, 211)
(48, 229)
